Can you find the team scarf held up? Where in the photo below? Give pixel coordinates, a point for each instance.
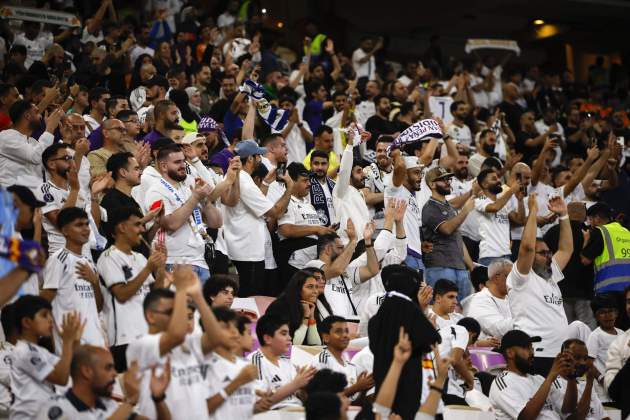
(420, 131)
(275, 117)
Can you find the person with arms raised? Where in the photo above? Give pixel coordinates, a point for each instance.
(533, 293)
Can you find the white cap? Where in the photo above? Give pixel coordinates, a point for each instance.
(412, 162)
(190, 138)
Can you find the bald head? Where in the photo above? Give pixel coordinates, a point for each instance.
(113, 134)
(577, 211)
(85, 355)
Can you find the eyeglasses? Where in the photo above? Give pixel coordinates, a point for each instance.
(545, 253)
(66, 158)
(121, 129)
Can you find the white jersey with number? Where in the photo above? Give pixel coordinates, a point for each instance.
(272, 376)
(188, 390)
(239, 404)
(510, 393)
(30, 365)
(73, 294)
(116, 267)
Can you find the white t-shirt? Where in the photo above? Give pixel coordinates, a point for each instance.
(413, 214)
(90, 124)
(244, 225)
(375, 181)
(239, 404)
(364, 362)
(30, 365)
(54, 199)
(300, 212)
(35, 48)
(481, 97)
(494, 228)
(510, 393)
(367, 69)
(470, 227)
(186, 243)
(453, 318)
(116, 267)
(440, 106)
(598, 343)
(73, 294)
(462, 135)
(325, 360)
(453, 337)
(596, 409)
(296, 145)
(335, 290)
(188, 390)
(271, 377)
(537, 309)
(492, 313)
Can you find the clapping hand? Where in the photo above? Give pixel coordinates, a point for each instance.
(72, 327)
(350, 231)
(131, 383)
(159, 383)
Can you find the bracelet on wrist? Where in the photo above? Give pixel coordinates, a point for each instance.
(565, 217)
(223, 394)
(159, 398)
(369, 246)
(401, 237)
(311, 322)
(265, 183)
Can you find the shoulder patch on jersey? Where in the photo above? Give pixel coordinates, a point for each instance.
(54, 412)
(35, 360)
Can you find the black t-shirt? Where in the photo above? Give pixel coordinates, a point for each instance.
(578, 278)
(513, 114)
(595, 245)
(529, 153)
(574, 148)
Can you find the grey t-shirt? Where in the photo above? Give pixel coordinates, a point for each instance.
(447, 249)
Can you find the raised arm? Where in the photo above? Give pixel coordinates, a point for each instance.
(539, 163)
(565, 242)
(504, 197)
(337, 267)
(581, 173)
(527, 249)
(250, 120)
(175, 334)
(372, 267)
(400, 170)
(451, 225)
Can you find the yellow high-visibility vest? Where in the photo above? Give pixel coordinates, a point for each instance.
(612, 266)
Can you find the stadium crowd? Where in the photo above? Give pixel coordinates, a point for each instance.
(161, 169)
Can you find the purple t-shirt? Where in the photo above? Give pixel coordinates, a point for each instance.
(153, 136)
(96, 138)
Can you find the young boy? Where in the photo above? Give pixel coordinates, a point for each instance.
(220, 291)
(230, 378)
(445, 303)
(336, 337)
(276, 374)
(70, 279)
(245, 341)
(605, 311)
(34, 370)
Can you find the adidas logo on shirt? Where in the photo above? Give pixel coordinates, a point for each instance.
(276, 378)
(226, 379)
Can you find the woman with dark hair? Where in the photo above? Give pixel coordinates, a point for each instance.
(297, 305)
(322, 307)
(142, 59)
(189, 119)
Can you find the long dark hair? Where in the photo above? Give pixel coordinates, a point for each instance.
(288, 303)
(321, 298)
(180, 97)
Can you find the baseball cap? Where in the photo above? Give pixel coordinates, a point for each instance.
(516, 338)
(26, 196)
(248, 148)
(437, 173)
(207, 124)
(412, 162)
(190, 138)
(157, 80)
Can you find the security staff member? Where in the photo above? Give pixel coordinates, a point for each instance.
(608, 248)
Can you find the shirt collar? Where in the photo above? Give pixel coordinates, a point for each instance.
(80, 405)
